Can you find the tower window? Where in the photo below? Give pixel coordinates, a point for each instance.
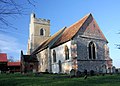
(54, 56)
(42, 32)
(92, 53)
(66, 53)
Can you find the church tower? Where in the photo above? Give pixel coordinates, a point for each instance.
(39, 31)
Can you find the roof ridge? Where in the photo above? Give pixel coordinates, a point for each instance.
(80, 19)
(74, 28)
(64, 33)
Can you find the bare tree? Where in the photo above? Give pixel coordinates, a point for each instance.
(13, 8)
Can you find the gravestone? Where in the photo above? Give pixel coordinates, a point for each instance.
(72, 73)
(78, 73)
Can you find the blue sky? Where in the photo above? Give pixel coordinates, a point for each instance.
(64, 13)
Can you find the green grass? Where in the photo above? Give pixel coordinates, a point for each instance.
(55, 80)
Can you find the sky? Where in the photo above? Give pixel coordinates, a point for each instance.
(64, 13)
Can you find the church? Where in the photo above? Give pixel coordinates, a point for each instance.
(81, 46)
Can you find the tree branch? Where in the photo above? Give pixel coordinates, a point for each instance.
(12, 8)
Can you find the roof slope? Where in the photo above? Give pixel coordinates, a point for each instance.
(3, 57)
(101, 33)
(65, 35)
(71, 31)
(29, 58)
(47, 42)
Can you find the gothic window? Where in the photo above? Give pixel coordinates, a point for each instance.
(42, 32)
(92, 53)
(66, 53)
(54, 56)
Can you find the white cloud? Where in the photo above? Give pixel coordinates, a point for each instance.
(11, 46)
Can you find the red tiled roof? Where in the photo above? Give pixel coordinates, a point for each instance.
(3, 57)
(71, 31)
(13, 63)
(66, 35)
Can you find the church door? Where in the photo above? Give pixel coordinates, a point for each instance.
(60, 66)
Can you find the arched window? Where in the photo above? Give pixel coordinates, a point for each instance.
(92, 54)
(66, 53)
(54, 56)
(42, 32)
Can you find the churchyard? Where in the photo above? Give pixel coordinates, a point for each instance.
(58, 80)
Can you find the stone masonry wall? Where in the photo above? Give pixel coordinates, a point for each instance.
(60, 55)
(43, 60)
(90, 32)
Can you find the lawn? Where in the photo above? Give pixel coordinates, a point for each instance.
(56, 80)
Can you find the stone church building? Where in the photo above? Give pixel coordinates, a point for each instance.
(81, 46)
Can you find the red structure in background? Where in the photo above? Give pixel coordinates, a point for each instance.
(8, 66)
(3, 62)
(3, 57)
(13, 66)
